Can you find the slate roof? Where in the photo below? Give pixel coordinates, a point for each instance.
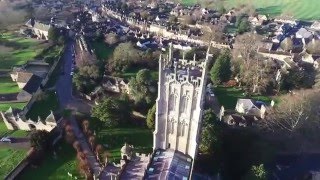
(169, 164)
(304, 33)
(33, 84)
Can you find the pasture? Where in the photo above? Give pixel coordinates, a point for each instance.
(16, 50)
(300, 9)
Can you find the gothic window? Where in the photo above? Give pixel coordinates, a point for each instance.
(181, 129)
(184, 102)
(172, 127)
(173, 100)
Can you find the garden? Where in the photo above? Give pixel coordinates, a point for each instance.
(228, 96)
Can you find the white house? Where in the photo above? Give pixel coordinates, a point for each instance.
(251, 107)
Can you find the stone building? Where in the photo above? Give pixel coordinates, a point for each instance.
(182, 85)
(14, 119)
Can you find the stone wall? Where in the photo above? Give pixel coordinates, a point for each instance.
(14, 121)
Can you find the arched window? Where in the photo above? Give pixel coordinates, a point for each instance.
(172, 102)
(172, 127)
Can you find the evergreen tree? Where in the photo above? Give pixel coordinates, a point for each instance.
(221, 70)
(53, 34)
(151, 117)
(112, 111)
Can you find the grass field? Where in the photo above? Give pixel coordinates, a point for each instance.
(15, 133)
(9, 158)
(43, 107)
(301, 9)
(6, 106)
(16, 50)
(228, 96)
(52, 168)
(139, 137)
(8, 86)
(101, 50)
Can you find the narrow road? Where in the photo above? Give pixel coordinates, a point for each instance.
(64, 83)
(66, 100)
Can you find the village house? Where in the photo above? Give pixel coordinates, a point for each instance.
(305, 35)
(30, 88)
(258, 20)
(251, 107)
(115, 84)
(310, 59)
(21, 78)
(41, 30)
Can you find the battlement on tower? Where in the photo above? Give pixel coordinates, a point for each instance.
(182, 70)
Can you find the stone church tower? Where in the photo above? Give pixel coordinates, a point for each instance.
(181, 91)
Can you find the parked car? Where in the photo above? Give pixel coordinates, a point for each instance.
(71, 74)
(7, 140)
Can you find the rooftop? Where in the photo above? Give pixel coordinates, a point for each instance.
(170, 164)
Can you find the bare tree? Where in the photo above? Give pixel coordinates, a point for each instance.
(111, 39)
(85, 126)
(296, 118)
(253, 68)
(214, 32)
(85, 169)
(92, 141)
(76, 145)
(69, 135)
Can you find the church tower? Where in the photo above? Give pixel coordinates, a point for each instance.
(181, 91)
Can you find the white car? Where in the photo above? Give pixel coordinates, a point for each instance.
(6, 139)
(71, 74)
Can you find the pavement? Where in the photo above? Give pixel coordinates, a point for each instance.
(20, 143)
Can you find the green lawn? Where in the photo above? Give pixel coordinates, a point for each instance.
(52, 168)
(102, 51)
(15, 133)
(8, 86)
(43, 107)
(141, 138)
(16, 50)
(9, 158)
(301, 9)
(131, 72)
(228, 96)
(6, 106)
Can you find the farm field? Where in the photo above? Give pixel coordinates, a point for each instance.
(16, 50)
(8, 86)
(6, 106)
(301, 9)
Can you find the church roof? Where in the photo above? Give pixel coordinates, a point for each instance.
(169, 164)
